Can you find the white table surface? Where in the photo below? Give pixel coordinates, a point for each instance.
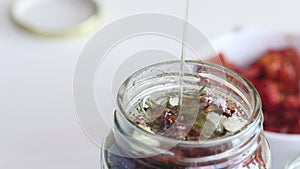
(38, 124)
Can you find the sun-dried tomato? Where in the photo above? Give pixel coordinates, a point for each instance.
(276, 76)
(280, 66)
(269, 91)
(167, 118)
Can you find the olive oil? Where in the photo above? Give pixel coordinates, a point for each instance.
(187, 112)
(183, 48)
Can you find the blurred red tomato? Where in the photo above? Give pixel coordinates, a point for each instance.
(276, 76)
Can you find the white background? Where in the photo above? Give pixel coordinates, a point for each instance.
(38, 125)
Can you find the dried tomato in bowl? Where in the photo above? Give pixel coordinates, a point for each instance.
(276, 76)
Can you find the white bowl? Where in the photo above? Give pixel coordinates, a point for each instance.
(244, 46)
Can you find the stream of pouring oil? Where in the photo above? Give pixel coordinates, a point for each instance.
(183, 50)
(187, 112)
(188, 104)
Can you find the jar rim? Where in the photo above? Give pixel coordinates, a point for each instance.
(254, 120)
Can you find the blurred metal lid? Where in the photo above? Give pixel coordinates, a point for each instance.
(55, 18)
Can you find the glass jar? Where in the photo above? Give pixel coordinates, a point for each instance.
(130, 146)
(293, 164)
